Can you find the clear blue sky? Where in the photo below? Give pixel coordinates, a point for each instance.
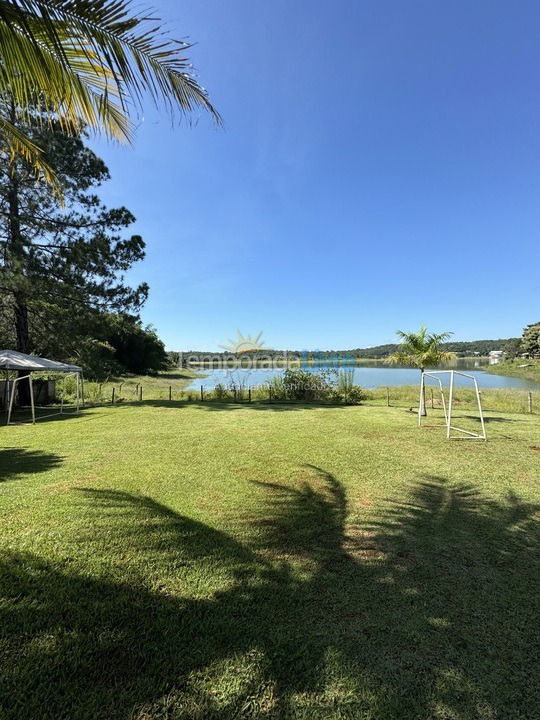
(379, 167)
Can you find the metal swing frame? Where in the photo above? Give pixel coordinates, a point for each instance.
(79, 397)
(467, 434)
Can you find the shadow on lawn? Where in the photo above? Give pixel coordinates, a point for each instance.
(220, 405)
(17, 461)
(23, 416)
(489, 419)
(430, 612)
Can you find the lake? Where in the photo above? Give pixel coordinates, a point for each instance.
(368, 375)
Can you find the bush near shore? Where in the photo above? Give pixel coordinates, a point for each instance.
(174, 386)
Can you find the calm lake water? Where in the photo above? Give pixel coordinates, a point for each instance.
(369, 375)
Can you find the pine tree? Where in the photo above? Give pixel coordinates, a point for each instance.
(530, 342)
(59, 262)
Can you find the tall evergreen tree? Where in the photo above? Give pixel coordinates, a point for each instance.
(530, 342)
(60, 262)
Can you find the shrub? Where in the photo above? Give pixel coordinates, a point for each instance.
(353, 396)
(237, 390)
(298, 384)
(346, 391)
(220, 392)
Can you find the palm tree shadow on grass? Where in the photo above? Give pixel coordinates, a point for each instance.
(488, 419)
(428, 612)
(16, 462)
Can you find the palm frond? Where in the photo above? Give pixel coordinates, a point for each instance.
(70, 96)
(19, 144)
(436, 339)
(421, 349)
(131, 48)
(399, 358)
(88, 62)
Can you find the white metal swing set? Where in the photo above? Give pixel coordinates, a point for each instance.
(447, 410)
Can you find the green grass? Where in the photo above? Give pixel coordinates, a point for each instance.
(509, 400)
(157, 388)
(513, 368)
(204, 561)
(127, 387)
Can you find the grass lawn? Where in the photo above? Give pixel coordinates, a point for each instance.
(128, 387)
(174, 384)
(206, 561)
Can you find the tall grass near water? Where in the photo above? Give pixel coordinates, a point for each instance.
(170, 386)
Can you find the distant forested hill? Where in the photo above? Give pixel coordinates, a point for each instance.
(462, 349)
(459, 348)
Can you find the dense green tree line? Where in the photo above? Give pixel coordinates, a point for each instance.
(62, 264)
(463, 349)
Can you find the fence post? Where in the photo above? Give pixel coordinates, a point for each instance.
(432, 404)
(387, 397)
(529, 402)
(202, 394)
(140, 393)
(112, 397)
(270, 392)
(170, 393)
(249, 393)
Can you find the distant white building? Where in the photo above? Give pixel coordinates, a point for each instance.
(495, 356)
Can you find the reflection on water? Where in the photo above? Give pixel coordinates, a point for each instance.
(369, 375)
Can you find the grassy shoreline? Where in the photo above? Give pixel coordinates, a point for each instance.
(513, 368)
(173, 386)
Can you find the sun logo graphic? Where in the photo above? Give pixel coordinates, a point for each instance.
(244, 344)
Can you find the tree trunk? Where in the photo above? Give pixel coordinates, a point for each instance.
(15, 261)
(423, 410)
(23, 345)
(21, 325)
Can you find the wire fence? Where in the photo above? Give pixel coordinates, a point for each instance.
(493, 399)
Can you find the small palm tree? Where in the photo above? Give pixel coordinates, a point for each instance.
(421, 350)
(87, 62)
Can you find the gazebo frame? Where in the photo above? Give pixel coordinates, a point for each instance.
(467, 434)
(11, 361)
(79, 396)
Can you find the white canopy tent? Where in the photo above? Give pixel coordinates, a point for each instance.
(11, 360)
